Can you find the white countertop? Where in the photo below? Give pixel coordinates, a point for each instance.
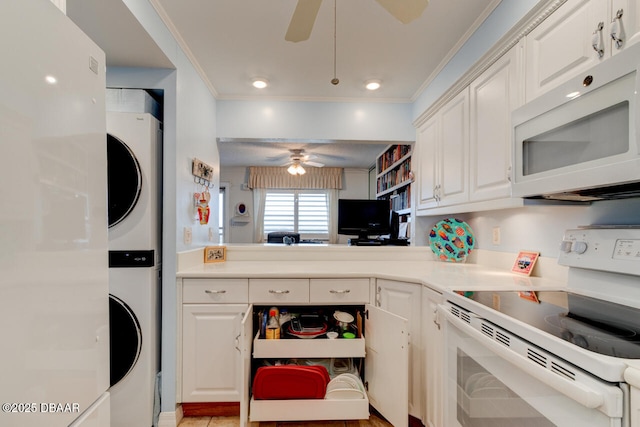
(410, 265)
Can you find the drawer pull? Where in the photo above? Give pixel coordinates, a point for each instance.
(209, 291)
(340, 291)
(278, 291)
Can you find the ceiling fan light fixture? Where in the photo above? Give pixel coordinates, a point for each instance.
(296, 169)
(373, 84)
(260, 83)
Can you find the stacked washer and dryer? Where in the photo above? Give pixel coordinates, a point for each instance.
(134, 151)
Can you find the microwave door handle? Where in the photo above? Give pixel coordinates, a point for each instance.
(576, 391)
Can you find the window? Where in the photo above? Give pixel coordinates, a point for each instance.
(299, 211)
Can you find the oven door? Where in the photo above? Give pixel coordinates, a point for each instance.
(488, 384)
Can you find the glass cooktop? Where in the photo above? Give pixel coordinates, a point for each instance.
(596, 325)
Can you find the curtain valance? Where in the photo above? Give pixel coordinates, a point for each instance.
(278, 177)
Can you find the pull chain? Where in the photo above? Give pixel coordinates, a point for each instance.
(334, 80)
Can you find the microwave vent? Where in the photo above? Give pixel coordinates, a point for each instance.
(612, 192)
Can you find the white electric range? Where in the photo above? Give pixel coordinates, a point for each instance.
(550, 358)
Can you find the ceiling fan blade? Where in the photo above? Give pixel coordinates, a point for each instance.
(302, 20)
(404, 11)
(314, 164)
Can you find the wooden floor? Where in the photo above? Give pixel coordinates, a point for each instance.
(373, 421)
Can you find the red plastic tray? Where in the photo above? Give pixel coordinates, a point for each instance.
(290, 382)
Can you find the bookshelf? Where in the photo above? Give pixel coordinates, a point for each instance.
(394, 178)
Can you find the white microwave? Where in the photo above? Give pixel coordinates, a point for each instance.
(580, 141)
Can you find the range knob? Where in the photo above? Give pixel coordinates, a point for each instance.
(579, 247)
(565, 246)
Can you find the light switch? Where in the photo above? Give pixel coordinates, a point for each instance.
(188, 236)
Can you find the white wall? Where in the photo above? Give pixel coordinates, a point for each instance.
(234, 177)
(498, 23)
(355, 186)
(189, 131)
(315, 120)
(538, 226)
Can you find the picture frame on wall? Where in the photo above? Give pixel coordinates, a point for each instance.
(525, 262)
(215, 254)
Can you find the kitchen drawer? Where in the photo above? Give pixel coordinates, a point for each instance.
(308, 348)
(309, 409)
(278, 291)
(223, 291)
(339, 291)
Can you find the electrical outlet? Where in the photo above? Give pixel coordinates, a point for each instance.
(211, 236)
(495, 236)
(188, 236)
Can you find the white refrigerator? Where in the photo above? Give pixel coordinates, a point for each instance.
(54, 324)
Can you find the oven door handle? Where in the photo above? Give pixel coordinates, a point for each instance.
(576, 391)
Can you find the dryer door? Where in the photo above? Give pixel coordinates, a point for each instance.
(124, 179)
(125, 338)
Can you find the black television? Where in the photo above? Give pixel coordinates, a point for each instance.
(363, 218)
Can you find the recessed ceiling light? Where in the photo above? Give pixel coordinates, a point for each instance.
(260, 83)
(51, 79)
(372, 84)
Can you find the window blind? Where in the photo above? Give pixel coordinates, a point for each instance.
(299, 211)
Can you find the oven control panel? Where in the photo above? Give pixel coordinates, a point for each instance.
(628, 249)
(612, 249)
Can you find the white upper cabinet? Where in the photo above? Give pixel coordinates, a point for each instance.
(454, 151)
(493, 96)
(442, 144)
(574, 38)
(425, 153)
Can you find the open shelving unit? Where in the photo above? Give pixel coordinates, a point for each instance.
(394, 178)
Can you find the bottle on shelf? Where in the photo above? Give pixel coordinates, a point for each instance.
(273, 324)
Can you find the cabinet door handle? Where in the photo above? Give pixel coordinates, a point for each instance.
(278, 291)
(596, 40)
(436, 318)
(616, 29)
(340, 291)
(238, 343)
(215, 291)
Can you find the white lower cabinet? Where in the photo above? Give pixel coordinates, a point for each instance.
(404, 299)
(434, 347)
(212, 313)
(210, 359)
(635, 407)
(384, 347)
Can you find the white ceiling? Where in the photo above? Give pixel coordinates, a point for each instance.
(236, 40)
(232, 41)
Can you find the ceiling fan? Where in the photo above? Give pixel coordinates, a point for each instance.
(304, 15)
(297, 159)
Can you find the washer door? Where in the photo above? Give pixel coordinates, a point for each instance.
(125, 339)
(124, 180)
